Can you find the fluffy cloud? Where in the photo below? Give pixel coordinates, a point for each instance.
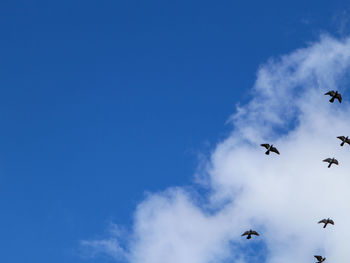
(281, 196)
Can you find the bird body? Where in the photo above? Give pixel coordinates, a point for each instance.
(320, 259)
(326, 222)
(334, 95)
(249, 233)
(269, 148)
(344, 140)
(331, 161)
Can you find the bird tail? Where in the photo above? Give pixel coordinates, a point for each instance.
(249, 237)
(267, 152)
(325, 225)
(331, 100)
(342, 144)
(329, 165)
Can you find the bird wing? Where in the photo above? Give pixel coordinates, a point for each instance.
(331, 221)
(347, 141)
(331, 93)
(341, 138)
(328, 160)
(273, 149)
(339, 97)
(335, 161)
(267, 146)
(255, 233)
(245, 233)
(323, 221)
(319, 258)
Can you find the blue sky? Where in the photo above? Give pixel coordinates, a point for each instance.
(102, 101)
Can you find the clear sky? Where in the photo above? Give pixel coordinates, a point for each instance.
(104, 101)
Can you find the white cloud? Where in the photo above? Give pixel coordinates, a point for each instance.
(281, 196)
(110, 246)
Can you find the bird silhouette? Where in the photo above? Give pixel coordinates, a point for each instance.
(326, 222)
(249, 233)
(344, 140)
(320, 259)
(334, 95)
(331, 161)
(269, 148)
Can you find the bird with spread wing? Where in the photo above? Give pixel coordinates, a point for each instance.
(269, 148)
(331, 161)
(320, 259)
(344, 140)
(249, 233)
(334, 95)
(326, 222)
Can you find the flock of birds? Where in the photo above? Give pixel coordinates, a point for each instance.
(270, 148)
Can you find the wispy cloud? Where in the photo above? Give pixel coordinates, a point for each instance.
(283, 196)
(109, 246)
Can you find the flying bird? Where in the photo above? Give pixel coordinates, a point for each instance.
(331, 161)
(250, 233)
(334, 95)
(344, 140)
(320, 259)
(269, 148)
(326, 222)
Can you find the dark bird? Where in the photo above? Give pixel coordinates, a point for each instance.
(331, 161)
(320, 259)
(334, 95)
(344, 140)
(250, 233)
(326, 222)
(269, 148)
